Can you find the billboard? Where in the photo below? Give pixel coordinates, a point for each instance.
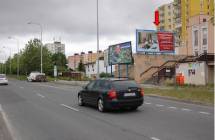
(120, 53)
(154, 41)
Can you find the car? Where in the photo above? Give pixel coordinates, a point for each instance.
(36, 77)
(3, 79)
(109, 94)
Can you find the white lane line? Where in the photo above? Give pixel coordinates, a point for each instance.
(38, 94)
(172, 107)
(0, 108)
(158, 105)
(185, 109)
(147, 103)
(69, 107)
(21, 87)
(154, 138)
(206, 113)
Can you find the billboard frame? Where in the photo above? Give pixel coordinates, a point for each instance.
(132, 60)
(151, 52)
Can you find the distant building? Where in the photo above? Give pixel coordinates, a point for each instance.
(91, 68)
(74, 60)
(166, 14)
(56, 47)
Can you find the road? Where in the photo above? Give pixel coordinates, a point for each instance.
(46, 111)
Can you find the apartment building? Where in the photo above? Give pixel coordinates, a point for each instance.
(193, 21)
(56, 47)
(166, 15)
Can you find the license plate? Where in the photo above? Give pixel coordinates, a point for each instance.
(129, 94)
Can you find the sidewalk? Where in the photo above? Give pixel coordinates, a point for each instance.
(72, 83)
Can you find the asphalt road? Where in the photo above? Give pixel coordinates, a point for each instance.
(46, 111)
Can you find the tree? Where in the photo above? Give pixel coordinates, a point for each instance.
(60, 60)
(81, 67)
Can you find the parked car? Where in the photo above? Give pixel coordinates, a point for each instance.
(36, 77)
(3, 79)
(108, 94)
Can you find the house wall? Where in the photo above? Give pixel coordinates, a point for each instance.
(194, 72)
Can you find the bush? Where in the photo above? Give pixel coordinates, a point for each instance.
(104, 75)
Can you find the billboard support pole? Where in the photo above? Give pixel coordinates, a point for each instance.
(127, 70)
(111, 71)
(106, 69)
(119, 74)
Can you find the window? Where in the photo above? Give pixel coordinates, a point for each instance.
(196, 38)
(91, 85)
(204, 36)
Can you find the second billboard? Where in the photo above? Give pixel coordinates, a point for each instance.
(154, 41)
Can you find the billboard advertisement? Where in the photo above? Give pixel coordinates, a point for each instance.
(120, 53)
(154, 41)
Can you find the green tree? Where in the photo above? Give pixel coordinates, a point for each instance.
(81, 67)
(60, 60)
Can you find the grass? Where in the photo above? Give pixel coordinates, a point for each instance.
(21, 77)
(200, 94)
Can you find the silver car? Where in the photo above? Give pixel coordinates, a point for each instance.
(3, 79)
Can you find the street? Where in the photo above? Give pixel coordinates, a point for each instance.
(47, 111)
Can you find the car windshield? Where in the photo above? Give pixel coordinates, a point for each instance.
(119, 85)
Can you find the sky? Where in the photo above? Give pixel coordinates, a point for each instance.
(73, 22)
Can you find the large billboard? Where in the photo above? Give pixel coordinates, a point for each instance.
(120, 53)
(154, 41)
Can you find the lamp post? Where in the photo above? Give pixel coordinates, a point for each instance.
(97, 13)
(41, 47)
(17, 41)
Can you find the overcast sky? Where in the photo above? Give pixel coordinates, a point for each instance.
(74, 22)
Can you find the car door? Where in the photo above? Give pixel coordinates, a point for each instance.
(86, 93)
(96, 92)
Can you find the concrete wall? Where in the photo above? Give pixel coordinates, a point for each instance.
(194, 72)
(142, 62)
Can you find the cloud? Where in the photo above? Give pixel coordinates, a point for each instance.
(74, 21)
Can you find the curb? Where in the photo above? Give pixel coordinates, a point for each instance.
(180, 100)
(72, 83)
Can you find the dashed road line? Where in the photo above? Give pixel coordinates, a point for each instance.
(69, 107)
(158, 105)
(0, 108)
(185, 109)
(206, 113)
(172, 107)
(21, 87)
(40, 95)
(154, 138)
(147, 103)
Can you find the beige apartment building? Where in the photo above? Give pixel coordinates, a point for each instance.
(166, 15)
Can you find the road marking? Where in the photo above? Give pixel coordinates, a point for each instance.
(172, 107)
(38, 94)
(69, 107)
(0, 108)
(158, 105)
(21, 87)
(154, 138)
(185, 109)
(147, 103)
(206, 113)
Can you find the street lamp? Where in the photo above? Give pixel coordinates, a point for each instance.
(17, 41)
(97, 11)
(41, 48)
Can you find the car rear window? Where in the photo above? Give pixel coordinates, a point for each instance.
(120, 85)
(2, 76)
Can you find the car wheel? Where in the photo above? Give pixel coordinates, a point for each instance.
(80, 100)
(100, 105)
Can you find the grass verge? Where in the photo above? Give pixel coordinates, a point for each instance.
(198, 94)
